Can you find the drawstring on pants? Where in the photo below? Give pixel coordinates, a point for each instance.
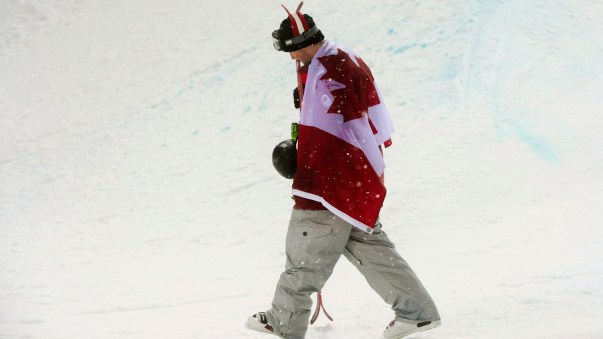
(319, 305)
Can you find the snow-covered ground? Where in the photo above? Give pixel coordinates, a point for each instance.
(138, 199)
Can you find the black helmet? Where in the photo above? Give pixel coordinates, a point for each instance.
(284, 158)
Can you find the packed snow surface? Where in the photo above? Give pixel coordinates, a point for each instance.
(138, 198)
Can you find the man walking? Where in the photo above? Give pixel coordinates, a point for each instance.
(339, 189)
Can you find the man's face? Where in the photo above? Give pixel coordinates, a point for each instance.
(301, 55)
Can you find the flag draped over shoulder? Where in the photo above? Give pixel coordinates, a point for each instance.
(343, 122)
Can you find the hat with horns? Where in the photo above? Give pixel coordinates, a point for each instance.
(296, 32)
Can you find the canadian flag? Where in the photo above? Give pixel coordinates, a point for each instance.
(343, 122)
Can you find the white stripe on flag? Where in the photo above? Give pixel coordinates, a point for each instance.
(334, 210)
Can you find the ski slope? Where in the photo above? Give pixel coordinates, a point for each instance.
(138, 198)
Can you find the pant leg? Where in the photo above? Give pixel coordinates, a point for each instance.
(315, 241)
(389, 275)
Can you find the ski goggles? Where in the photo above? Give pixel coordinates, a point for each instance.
(289, 44)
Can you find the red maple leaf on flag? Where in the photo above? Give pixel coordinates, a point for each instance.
(351, 85)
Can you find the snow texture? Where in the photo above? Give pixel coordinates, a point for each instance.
(138, 198)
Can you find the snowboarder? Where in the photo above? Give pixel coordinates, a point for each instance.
(338, 189)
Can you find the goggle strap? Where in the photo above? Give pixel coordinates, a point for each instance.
(302, 37)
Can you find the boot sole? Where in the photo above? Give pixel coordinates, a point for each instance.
(427, 327)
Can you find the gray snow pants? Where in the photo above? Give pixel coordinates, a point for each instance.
(315, 241)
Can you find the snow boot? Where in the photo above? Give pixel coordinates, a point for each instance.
(259, 322)
(398, 329)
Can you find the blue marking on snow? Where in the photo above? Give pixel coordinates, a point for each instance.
(166, 105)
(225, 129)
(392, 31)
(538, 144)
(451, 69)
(403, 49)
